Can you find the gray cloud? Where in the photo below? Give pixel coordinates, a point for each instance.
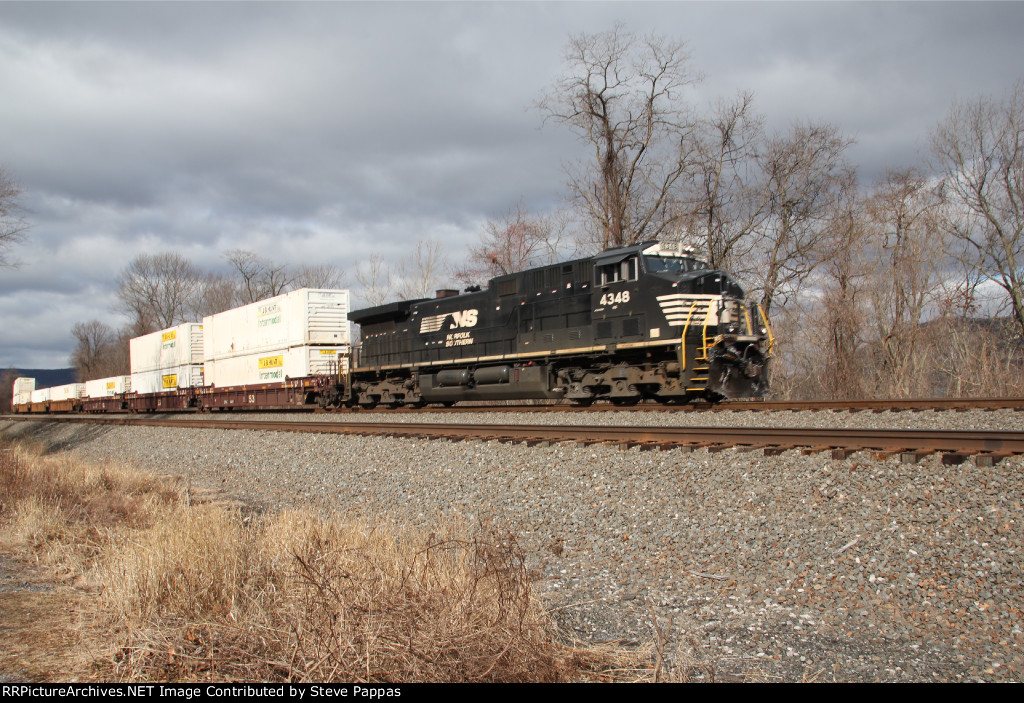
(327, 131)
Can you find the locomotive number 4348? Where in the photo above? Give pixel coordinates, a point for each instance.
(615, 298)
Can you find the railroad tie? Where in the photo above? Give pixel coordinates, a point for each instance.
(779, 449)
(915, 456)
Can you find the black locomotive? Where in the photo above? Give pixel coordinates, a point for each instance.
(642, 321)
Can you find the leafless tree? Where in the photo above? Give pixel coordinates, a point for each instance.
(13, 225)
(623, 96)
(979, 149)
(259, 277)
(158, 291)
(374, 275)
(94, 352)
(215, 293)
(420, 273)
(844, 280)
(318, 276)
(727, 201)
(7, 379)
(806, 179)
(907, 252)
(517, 241)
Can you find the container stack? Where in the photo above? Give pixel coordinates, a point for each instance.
(296, 335)
(167, 360)
(23, 388)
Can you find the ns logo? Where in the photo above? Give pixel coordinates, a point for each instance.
(462, 318)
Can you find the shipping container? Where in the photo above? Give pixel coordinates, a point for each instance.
(70, 391)
(23, 388)
(170, 379)
(303, 317)
(105, 387)
(276, 366)
(41, 395)
(169, 348)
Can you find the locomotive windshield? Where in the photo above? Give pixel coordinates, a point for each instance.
(673, 264)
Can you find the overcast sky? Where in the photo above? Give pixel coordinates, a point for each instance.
(322, 132)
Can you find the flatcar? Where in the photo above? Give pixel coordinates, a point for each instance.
(636, 322)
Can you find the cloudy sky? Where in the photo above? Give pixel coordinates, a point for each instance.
(323, 132)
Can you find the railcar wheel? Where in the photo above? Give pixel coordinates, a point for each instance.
(625, 402)
(582, 402)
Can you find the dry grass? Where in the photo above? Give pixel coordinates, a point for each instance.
(204, 592)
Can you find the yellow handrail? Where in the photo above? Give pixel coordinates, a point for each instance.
(764, 319)
(685, 328)
(707, 315)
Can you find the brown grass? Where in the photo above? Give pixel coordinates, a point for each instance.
(206, 592)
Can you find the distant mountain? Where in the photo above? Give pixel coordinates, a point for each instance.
(47, 378)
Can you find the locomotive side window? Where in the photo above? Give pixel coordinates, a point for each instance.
(624, 270)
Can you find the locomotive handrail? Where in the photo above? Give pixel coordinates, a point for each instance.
(707, 317)
(687, 327)
(767, 327)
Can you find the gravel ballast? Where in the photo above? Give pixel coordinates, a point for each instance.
(788, 567)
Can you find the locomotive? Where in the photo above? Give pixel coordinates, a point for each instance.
(646, 321)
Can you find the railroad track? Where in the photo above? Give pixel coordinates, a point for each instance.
(898, 405)
(985, 446)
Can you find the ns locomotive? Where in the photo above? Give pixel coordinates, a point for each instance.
(642, 321)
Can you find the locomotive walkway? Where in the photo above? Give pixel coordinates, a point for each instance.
(956, 446)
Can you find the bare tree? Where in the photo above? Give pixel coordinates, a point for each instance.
(13, 225)
(728, 200)
(807, 181)
(420, 273)
(907, 250)
(623, 98)
(980, 152)
(7, 379)
(158, 291)
(844, 277)
(318, 276)
(94, 350)
(215, 293)
(516, 242)
(260, 278)
(374, 275)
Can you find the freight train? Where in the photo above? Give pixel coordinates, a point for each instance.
(646, 321)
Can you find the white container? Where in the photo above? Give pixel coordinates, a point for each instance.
(163, 380)
(169, 348)
(106, 387)
(276, 366)
(303, 317)
(42, 395)
(23, 388)
(69, 391)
